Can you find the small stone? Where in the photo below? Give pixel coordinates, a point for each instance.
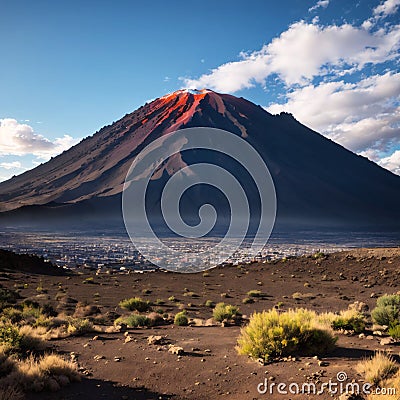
(377, 333)
(361, 335)
(98, 357)
(154, 339)
(117, 359)
(95, 337)
(176, 350)
(386, 341)
(323, 363)
(197, 383)
(128, 339)
(369, 337)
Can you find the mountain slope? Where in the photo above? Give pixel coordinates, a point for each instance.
(317, 181)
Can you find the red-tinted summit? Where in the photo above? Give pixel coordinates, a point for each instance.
(316, 179)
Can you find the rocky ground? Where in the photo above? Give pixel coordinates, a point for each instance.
(124, 365)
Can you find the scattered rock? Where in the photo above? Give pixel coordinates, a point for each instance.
(176, 350)
(386, 341)
(128, 339)
(155, 339)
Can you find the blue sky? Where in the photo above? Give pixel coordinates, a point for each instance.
(69, 68)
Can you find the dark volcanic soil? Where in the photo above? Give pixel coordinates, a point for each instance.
(211, 367)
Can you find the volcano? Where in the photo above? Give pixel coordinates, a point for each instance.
(318, 182)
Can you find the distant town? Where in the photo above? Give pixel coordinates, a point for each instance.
(105, 253)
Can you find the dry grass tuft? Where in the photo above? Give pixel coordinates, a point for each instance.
(379, 368)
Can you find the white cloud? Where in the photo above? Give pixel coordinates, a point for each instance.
(302, 52)
(392, 163)
(21, 139)
(386, 8)
(320, 3)
(11, 165)
(358, 115)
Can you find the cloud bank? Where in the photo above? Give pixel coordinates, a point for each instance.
(340, 80)
(20, 139)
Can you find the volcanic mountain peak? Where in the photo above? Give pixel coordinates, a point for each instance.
(315, 178)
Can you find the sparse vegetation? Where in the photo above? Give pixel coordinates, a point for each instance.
(135, 304)
(209, 303)
(255, 293)
(380, 367)
(225, 312)
(270, 335)
(48, 372)
(134, 320)
(394, 331)
(387, 310)
(349, 320)
(248, 300)
(181, 319)
(79, 326)
(20, 340)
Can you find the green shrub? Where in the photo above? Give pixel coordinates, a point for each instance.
(7, 297)
(394, 331)
(79, 326)
(20, 340)
(181, 319)
(270, 335)
(173, 298)
(248, 300)
(209, 303)
(255, 293)
(224, 311)
(135, 304)
(387, 310)
(10, 337)
(134, 320)
(349, 320)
